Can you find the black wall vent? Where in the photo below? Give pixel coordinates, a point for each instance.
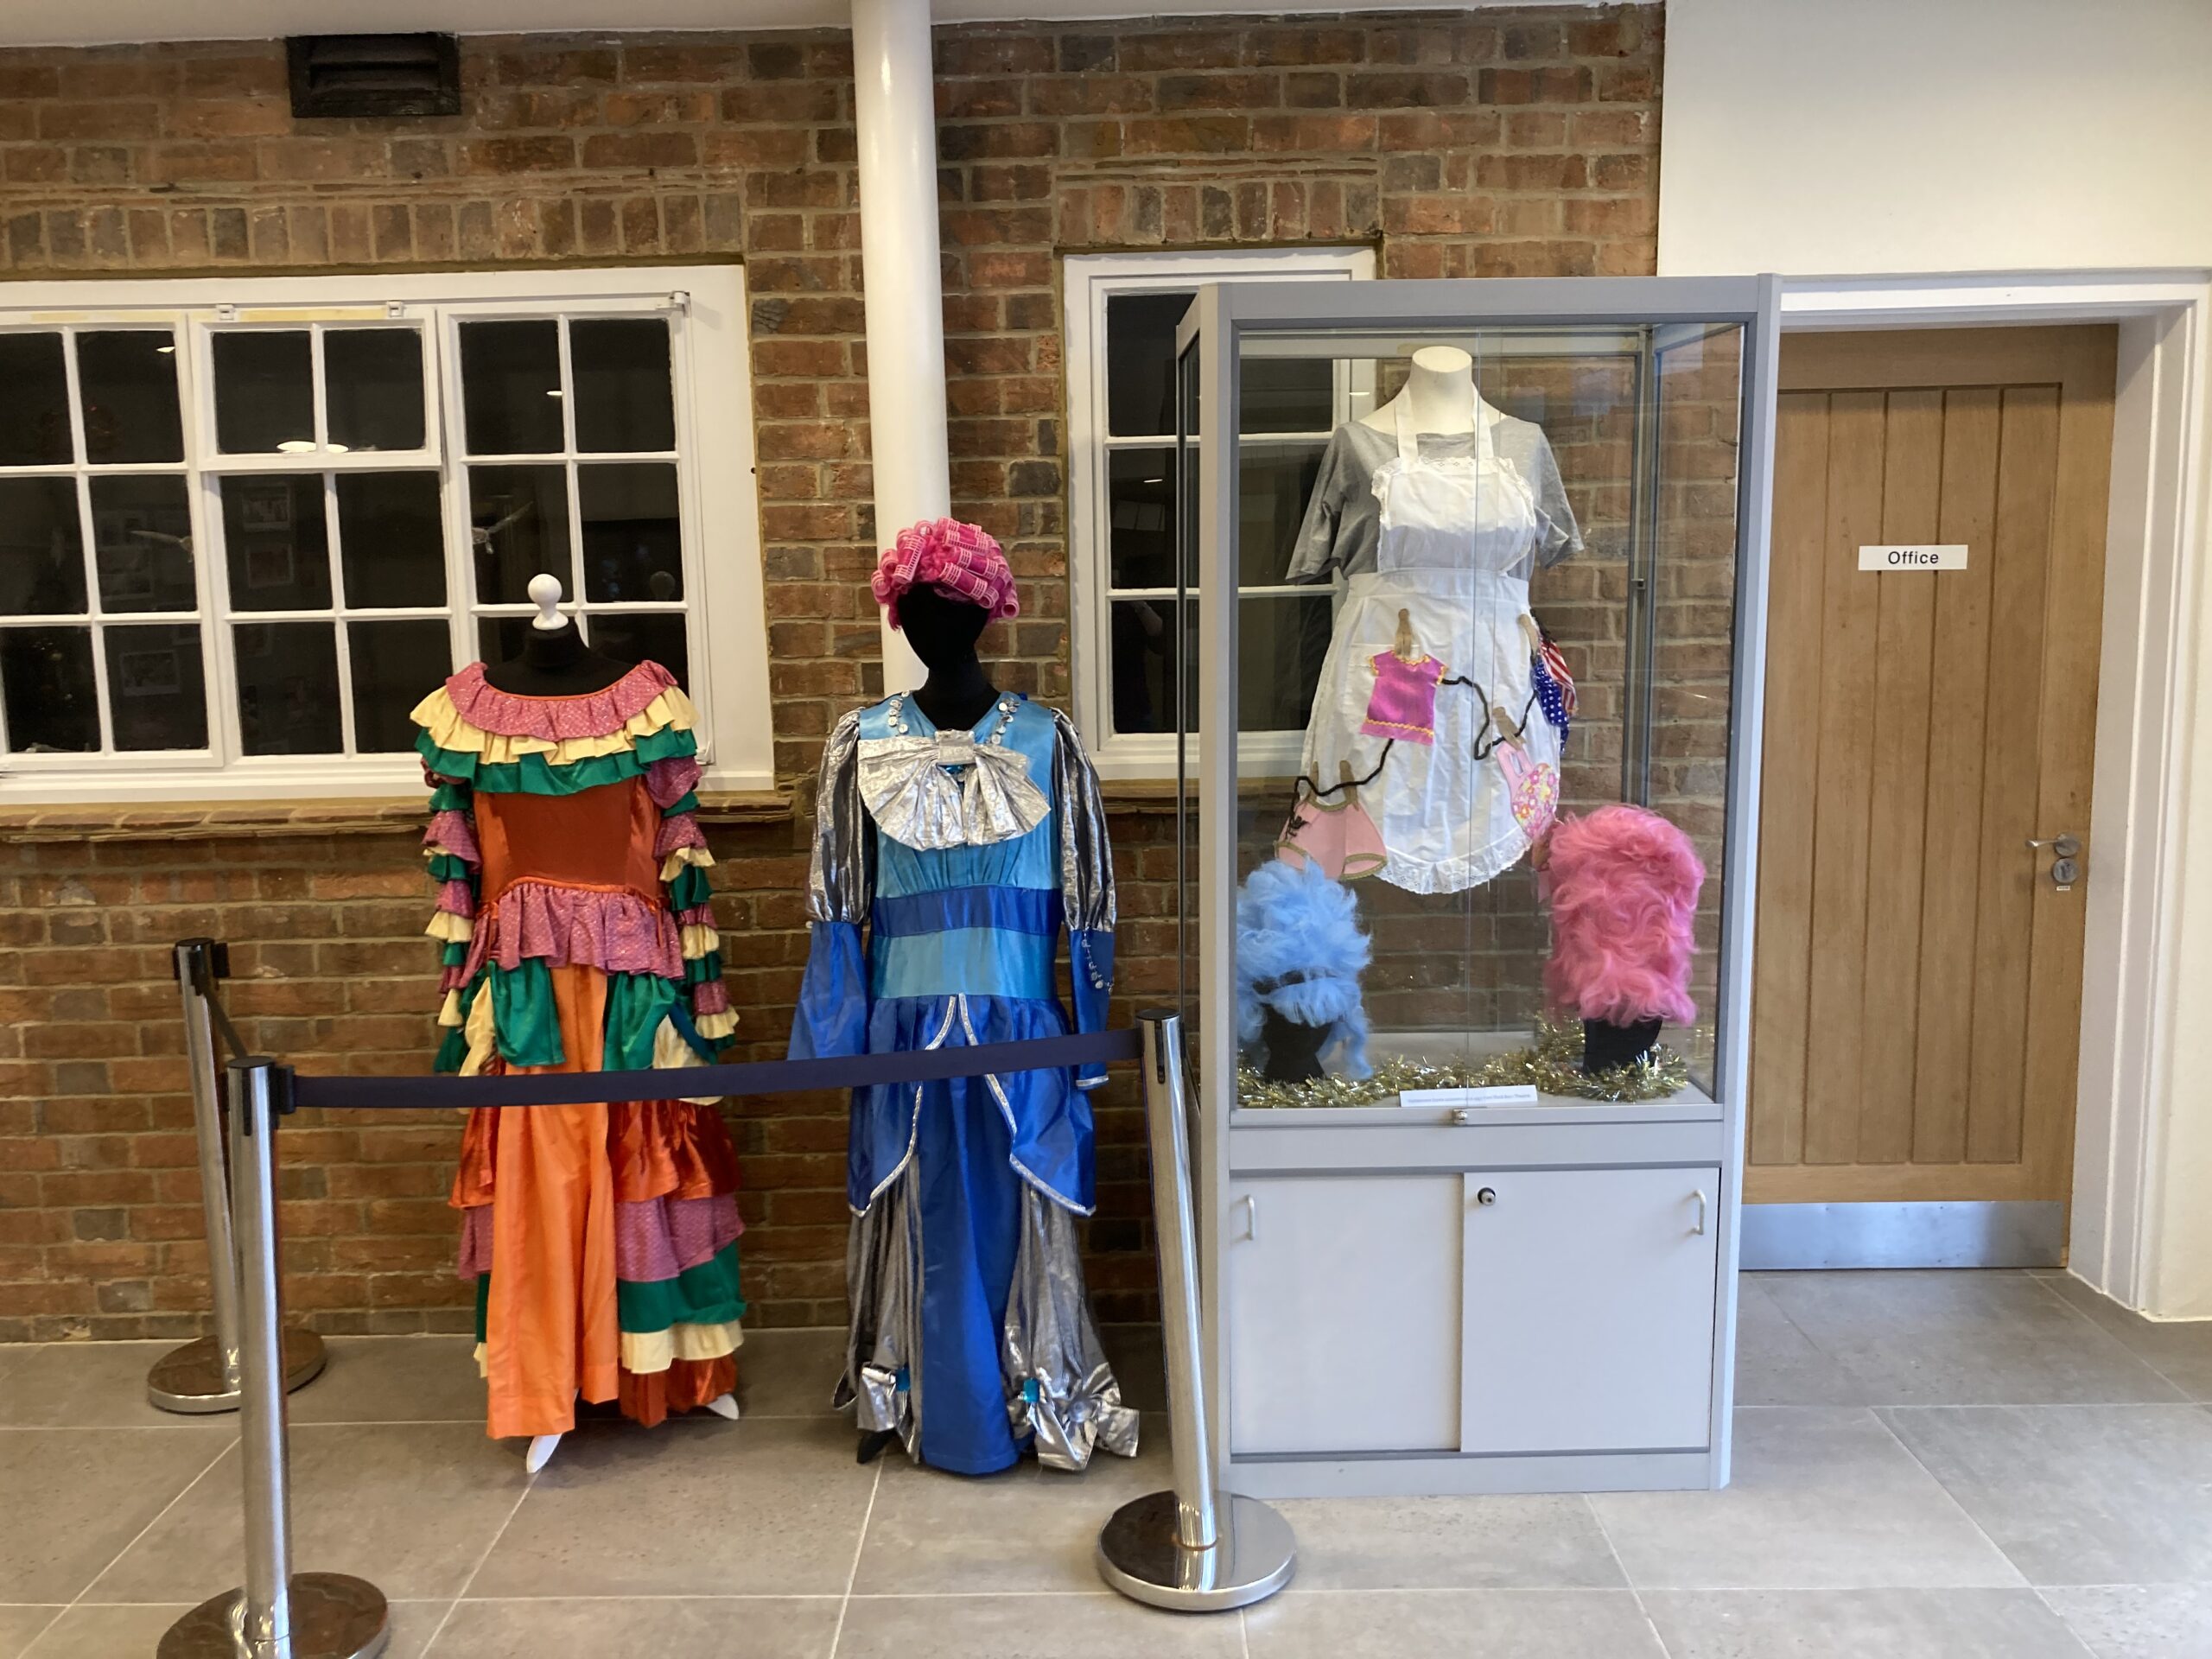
(374, 74)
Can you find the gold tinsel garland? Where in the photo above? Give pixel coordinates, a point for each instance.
(1552, 1063)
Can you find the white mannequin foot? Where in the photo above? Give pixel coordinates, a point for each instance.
(541, 1452)
(724, 1406)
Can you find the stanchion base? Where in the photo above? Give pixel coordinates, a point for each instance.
(1139, 1556)
(190, 1379)
(333, 1617)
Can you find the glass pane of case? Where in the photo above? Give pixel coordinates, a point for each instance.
(127, 379)
(633, 531)
(518, 519)
(35, 417)
(391, 539)
(41, 548)
(1518, 551)
(288, 687)
(273, 539)
(1140, 362)
(157, 687)
(264, 391)
(510, 387)
(373, 383)
(142, 542)
(624, 399)
(46, 680)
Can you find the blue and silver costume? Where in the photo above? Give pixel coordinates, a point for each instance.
(945, 865)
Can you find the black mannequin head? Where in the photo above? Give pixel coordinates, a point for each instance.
(943, 631)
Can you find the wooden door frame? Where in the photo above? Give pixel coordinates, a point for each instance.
(2134, 1143)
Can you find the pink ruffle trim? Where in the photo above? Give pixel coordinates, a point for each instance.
(710, 997)
(451, 832)
(697, 916)
(670, 779)
(654, 1240)
(455, 899)
(452, 979)
(617, 931)
(594, 713)
(682, 830)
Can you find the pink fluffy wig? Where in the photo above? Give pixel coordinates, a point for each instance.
(1624, 887)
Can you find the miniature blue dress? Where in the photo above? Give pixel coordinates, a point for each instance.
(945, 867)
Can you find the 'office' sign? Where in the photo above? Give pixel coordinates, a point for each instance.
(1920, 555)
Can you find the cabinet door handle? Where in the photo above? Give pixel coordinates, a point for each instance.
(1487, 1196)
(1252, 1218)
(1697, 1231)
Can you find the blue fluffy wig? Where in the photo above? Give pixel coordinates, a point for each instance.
(1299, 951)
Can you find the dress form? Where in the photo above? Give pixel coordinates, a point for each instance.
(555, 661)
(943, 631)
(1439, 396)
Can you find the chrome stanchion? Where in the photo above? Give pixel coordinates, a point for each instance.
(203, 1374)
(1194, 1549)
(278, 1614)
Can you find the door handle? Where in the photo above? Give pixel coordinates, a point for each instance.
(1252, 1218)
(2065, 859)
(1698, 1232)
(1486, 1197)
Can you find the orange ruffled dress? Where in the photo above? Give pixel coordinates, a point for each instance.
(578, 935)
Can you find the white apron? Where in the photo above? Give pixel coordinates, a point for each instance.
(1452, 529)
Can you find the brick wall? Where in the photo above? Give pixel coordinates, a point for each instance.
(1506, 142)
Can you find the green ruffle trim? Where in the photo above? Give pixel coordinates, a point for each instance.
(636, 1005)
(688, 804)
(526, 1021)
(450, 797)
(453, 953)
(697, 970)
(449, 867)
(706, 1294)
(690, 889)
(535, 775)
(707, 1048)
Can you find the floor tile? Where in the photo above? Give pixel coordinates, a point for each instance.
(2079, 1494)
(1778, 1364)
(678, 1628)
(19, 1626)
(2139, 1621)
(789, 1373)
(93, 1490)
(1853, 1624)
(1495, 1623)
(394, 1380)
(1449, 1543)
(1961, 1339)
(1030, 1529)
(2179, 1350)
(766, 1508)
(1821, 1498)
(90, 1632)
(410, 1507)
(1100, 1625)
(83, 1385)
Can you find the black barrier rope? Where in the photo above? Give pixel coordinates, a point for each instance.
(745, 1077)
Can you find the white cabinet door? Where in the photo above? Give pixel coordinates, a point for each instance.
(1589, 1310)
(1342, 1296)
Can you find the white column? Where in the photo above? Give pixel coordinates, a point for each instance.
(895, 110)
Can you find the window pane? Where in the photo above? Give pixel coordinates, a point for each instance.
(288, 687)
(396, 665)
(156, 687)
(1141, 518)
(275, 540)
(264, 392)
(142, 541)
(392, 538)
(1288, 394)
(35, 415)
(45, 678)
(641, 636)
(41, 548)
(128, 380)
(1144, 664)
(1273, 483)
(1140, 363)
(373, 380)
(633, 540)
(1281, 640)
(624, 395)
(518, 518)
(510, 387)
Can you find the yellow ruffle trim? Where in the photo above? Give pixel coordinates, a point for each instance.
(714, 1026)
(437, 714)
(672, 1053)
(450, 1010)
(450, 929)
(700, 941)
(672, 865)
(483, 1036)
(647, 1351)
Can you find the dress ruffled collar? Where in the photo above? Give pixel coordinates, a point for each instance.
(587, 713)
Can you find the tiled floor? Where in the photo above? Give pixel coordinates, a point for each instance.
(1936, 1465)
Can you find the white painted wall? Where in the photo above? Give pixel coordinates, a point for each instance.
(1819, 138)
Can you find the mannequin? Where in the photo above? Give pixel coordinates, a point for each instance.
(555, 660)
(1438, 394)
(942, 630)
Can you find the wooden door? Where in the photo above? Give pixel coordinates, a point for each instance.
(1916, 1005)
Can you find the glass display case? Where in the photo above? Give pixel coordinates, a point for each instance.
(1470, 595)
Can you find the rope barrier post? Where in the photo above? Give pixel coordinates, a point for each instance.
(1194, 1549)
(278, 1614)
(202, 1376)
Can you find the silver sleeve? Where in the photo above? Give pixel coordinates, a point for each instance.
(841, 881)
(1086, 859)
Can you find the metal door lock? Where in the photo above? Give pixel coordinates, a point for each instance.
(2065, 859)
(2064, 874)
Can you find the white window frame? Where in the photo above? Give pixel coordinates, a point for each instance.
(706, 307)
(1089, 280)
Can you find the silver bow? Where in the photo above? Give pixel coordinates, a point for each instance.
(917, 802)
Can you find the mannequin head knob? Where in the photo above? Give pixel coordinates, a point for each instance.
(545, 593)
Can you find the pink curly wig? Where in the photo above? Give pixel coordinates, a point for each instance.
(1624, 887)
